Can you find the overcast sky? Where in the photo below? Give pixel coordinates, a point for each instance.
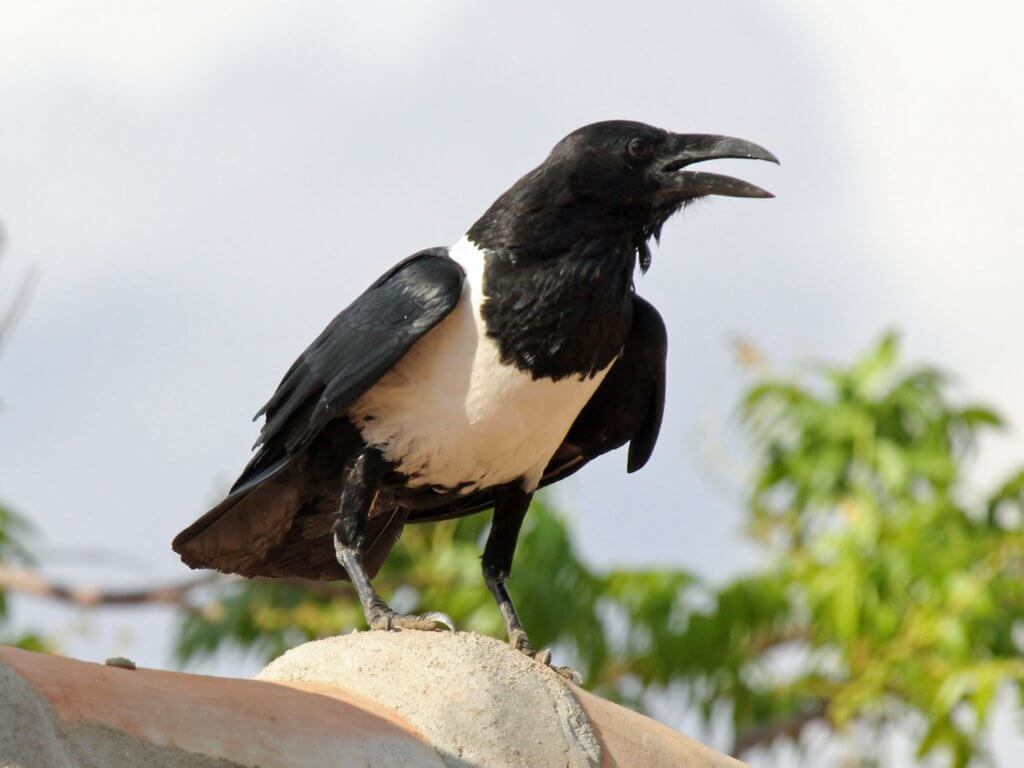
(204, 185)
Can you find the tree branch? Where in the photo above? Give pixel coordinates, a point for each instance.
(765, 641)
(35, 584)
(764, 735)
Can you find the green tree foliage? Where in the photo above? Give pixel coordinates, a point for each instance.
(899, 590)
(14, 530)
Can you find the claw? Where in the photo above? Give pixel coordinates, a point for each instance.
(569, 674)
(435, 618)
(544, 657)
(431, 621)
(520, 642)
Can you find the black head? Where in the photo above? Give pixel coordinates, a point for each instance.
(611, 180)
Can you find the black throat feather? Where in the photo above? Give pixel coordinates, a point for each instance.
(564, 316)
(558, 277)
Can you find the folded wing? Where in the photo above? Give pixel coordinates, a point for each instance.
(280, 484)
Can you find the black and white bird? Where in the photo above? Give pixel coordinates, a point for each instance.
(467, 377)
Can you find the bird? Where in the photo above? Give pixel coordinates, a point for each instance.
(467, 377)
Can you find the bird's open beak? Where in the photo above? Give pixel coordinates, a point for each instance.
(686, 149)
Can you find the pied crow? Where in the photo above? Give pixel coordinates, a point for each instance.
(467, 377)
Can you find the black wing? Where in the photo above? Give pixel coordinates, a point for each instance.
(359, 346)
(627, 407)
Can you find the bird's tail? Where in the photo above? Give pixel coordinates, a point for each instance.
(270, 526)
(236, 535)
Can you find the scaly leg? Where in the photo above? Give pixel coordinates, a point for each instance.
(509, 512)
(362, 479)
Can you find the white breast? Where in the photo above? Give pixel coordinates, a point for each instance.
(451, 414)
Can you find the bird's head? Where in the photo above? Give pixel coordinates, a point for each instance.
(616, 179)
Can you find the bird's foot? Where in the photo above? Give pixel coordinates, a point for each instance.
(520, 642)
(431, 621)
(570, 674)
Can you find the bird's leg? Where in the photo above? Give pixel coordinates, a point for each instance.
(509, 512)
(362, 479)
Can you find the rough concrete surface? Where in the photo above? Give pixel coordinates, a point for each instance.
(28, 730)
(479, 702)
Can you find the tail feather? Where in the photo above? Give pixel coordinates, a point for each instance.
(235, 536)
(274, 529)
(307, 549)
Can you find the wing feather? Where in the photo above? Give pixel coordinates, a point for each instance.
(356, 349)
(262, 527)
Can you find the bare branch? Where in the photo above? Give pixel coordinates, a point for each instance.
(764, 735)
(765, 641)
(35, 584)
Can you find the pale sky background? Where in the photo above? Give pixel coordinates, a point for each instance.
(204, 185)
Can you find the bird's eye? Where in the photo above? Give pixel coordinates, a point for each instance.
(639, 149)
